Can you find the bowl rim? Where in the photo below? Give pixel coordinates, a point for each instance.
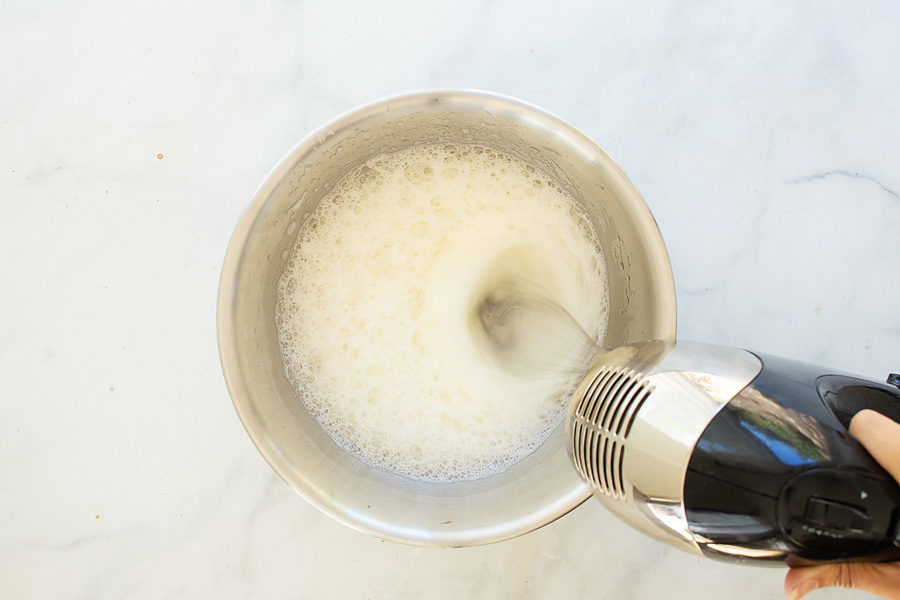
(225, 330)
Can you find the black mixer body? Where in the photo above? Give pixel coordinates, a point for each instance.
(735, 455)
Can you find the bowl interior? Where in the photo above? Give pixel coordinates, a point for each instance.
(531, 493)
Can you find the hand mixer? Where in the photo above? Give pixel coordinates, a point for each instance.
(718, 451)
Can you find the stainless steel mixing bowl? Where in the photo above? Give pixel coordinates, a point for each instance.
(533, 492)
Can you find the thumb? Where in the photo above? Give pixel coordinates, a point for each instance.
(882, 579)
(879, 435)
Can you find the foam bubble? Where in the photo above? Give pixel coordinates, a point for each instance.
(374, 300)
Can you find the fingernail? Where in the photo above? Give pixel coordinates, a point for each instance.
(803, 589)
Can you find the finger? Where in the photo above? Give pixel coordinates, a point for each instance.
(882, 579)
(881, 437)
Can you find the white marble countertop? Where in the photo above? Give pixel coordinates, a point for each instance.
(764, 139)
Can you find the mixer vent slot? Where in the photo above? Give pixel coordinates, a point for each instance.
(601, 422)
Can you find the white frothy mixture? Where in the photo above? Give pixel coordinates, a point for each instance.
(376, 301)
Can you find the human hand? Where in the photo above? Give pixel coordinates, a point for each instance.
(881, 437)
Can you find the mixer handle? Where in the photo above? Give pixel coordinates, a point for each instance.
(845, 396)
